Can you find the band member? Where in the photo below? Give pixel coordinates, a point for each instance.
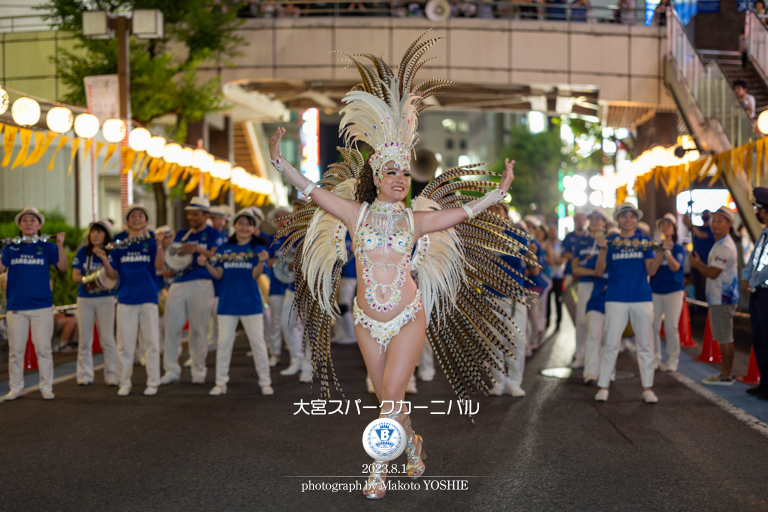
(240, 300)
(191, 294)
(95, 307)
(668, 296)
(135, 266)
(162, 288)
(628, 298)
(30, 299)
(219, 220)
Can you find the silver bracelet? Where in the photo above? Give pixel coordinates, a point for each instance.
(276, 163)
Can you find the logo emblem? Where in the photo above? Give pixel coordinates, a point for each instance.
(384, 439)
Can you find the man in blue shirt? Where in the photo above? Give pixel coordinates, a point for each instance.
(755, 282)
(703, 240)
(570, 241)
(190, 297)
(220, 215)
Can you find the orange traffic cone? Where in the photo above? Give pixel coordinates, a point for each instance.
(710, 349)
(753, 374)
(30, 358)
(686, 340)
(96, 343)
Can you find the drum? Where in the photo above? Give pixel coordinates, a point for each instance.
(98, 281)
(176, 262)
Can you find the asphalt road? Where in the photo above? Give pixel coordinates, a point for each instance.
(554, 450)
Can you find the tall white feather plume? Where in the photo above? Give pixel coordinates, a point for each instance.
(325, 242)
(442, 271)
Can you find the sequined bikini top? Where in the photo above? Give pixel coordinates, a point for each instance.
(368, 238)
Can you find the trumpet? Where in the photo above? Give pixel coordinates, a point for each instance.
(26, 239)
(643, 245)
(240, 256)
(119, 244)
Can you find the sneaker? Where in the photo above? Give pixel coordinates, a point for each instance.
(47, 394)
(112, 383)
(150, 391)
(590, 381)
(717, 380)
(427, 376)
(11, 395)
(411, 389)
(601, 396)
(188, 363)
(293, 369)
(671, 368)
(578, 362)
(369, 385)
(218, 391)
(198, 380)
(514, 390)
(305, 377)
(274, 361)
(68, 348)
(650, 397)
(168, 378)
(661, 367)
(83, 382)
(496, 390)
(124, 391)
(267, 390)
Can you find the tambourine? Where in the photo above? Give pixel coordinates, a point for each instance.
(176, 262)
(644, 245)
(26, 239)
(98, 281)
(280, 269)
(119, 244)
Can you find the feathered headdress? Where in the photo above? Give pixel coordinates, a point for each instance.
(382, 110)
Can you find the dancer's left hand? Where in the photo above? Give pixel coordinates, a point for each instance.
(508, 175)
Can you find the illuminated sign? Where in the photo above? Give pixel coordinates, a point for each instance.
(309, 135)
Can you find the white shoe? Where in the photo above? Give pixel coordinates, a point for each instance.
(293, 369)
(589, 379)
(188, 363)
(168, 378)
(650, 397)
(150, 391)
(218, 391)
(198, 380)
(672, 367)
(305, 377)
(274, 361)
(496, 390)
(369, 385)
(661, 367)
(411, 389)
(11, 395)
(143, 361)
(578, 362)
(601, 396)
(83, 382)
(124, 391)
(112, 383)
(267, 390)
(47, 394)
(513, 390)
(427, 376)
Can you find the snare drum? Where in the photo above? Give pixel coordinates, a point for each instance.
(98, 281)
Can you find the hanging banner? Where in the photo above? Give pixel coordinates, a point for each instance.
(102, 95)
(10, 138)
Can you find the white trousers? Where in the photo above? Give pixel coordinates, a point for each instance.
(99, 311)
(191, 301)
(254, 330)
(515, 366)
(584, 292)
(669, 306)
(595, 323)
(541, 305)
(213, 327)
(616, 316)
(131, 318)
(345, 324)
(285, 325)
(19, 324)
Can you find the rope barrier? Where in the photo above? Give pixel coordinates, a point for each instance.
(705, 305)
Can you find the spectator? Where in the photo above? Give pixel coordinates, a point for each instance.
(555, 13)
(625, 14)
(557, 274)
(722, 292)
(582, 11)
(527, 12)
(746, 100)
(759, 7)
(660, 14)
(485, 9)
(571, 240)
(703, 240)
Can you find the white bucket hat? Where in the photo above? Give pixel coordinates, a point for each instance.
(32, 211)
(105, 223)
(669, 217)
(134, 207)
(199, 203)
(725, 212)
(627, 207)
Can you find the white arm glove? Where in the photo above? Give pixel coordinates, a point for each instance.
(293, 176)
(478, 205)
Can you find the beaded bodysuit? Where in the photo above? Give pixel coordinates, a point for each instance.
(376, 230)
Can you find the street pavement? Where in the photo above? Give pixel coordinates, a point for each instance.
(553, 450)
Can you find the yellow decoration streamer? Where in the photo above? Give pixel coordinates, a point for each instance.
(110, 151)
(75, 145)
(10, 138)
(175, 174)
(41, 149)
(26, 137)
(39, 138)
(192, 183)
(62, 142)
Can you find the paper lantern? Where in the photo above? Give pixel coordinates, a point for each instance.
(25, 111)
(156, 147)
(59, 119)
(185, 159)
(86, 125)
(138, 139)
(659, 156)
(762, 121)
(114, 130)
(239, 177)
(202, 160)
(172, 153)
(222, 169)
(4, 101)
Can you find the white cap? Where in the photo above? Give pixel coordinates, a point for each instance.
(199, 203)
(133, 208)
(32, 211)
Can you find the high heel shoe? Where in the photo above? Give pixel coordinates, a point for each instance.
(414, 448)
(376, 488)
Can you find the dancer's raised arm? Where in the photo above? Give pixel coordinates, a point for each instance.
(343, 209)
(429, 222)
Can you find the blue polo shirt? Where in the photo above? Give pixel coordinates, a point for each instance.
(208, 238)
(277, 287)
(702, 246)
(596, 301)
(569, 245)
(514, 262)
(137, 277)
(586, 249)
(86, 265)
(29, 282)
(627, 275)
(223, 236)
(239, 290)
(666, 281)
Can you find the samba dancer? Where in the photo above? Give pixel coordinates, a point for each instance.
(95, 306)
(190, 297)
(240, 299)
(30, 299)
(135, 266)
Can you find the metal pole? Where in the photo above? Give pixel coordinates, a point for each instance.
(124, 83)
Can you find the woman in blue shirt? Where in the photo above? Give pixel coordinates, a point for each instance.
(240, 300)
(627, 299)
(30, 300)
(95, 307)
(668, 295)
